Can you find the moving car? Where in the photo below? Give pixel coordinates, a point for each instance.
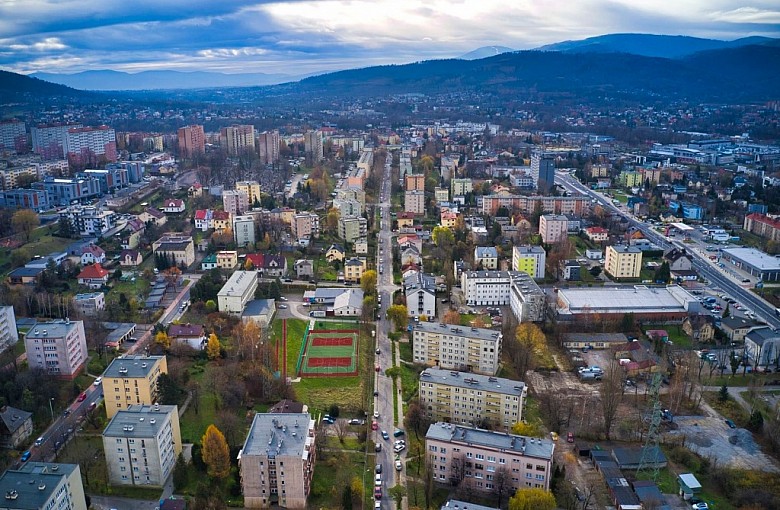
(25, 456)
(82, 397)
(98, 381)
(385, 435)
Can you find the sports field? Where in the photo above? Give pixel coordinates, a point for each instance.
(329, 353)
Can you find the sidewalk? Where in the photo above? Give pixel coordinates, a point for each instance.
(401, 475)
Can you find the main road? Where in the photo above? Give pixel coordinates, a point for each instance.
(701, 264)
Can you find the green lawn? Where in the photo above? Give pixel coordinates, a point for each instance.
(138, 289)
(467, 318)
(295, 331)
(41, 243)
(333, 471)
(676, 334)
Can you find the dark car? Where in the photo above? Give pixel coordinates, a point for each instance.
(25, 456)
(570, 437)
(378, 469)
(731, 424)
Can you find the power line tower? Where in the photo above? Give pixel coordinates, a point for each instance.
(651, 449)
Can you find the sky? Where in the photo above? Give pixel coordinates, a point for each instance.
(307, 36)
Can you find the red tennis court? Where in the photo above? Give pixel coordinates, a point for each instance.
(319, 341)
(329, 362)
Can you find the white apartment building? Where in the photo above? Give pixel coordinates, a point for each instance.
(244, 230)
(420, 292)
(553, 228)
(526, 299)
(457, 347)
(100, 141)
(529, 259)
(12, 133)
(237, 292)
(43, 486)
(9, 335)
(89, 304)
(49, 140)
(460, 187)
(472, 457)
(486, 288)
(89, 221)
(58, 347)
(471, 399)
(414, 201)
(141, 445)
(312, 142)
(277, 460)
(235, 202)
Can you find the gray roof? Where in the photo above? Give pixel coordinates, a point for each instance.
(638, 298)
(607, 338)
(275, 434)
(622, 248)
(485, 251)
(473, 381)
(35, 484)
(529, 249)
(760, 335)
(258, 307)
(733, 322)
(139, 421)
(463, 331)
(489, 274)
(419, 280)
(137, 366)
(14, 418)
(26, 271)
(352, 298)
(756, 258)
(455, 504)
(52, 329)
(632, 455)
(528, 446)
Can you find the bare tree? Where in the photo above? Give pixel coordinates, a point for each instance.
(457, 470)
(611, 395)
(502, 484)
(341, 429)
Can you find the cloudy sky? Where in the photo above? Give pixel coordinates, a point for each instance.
(297, 37)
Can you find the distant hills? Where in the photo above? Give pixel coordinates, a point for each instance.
(18, 87)
(649, 45)
(161, 80)
(485, 52)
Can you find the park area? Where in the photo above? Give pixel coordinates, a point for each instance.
(329, 353)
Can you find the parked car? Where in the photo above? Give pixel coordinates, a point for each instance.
(82, 397)
(378, 468)
(283, 307)
(25, 456)
(398, 465)
(385, 435)
(700, 506)
(374, 425)
(731, 424)
(98, 381)
(378, 447)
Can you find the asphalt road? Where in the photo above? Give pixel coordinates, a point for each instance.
(701, 264)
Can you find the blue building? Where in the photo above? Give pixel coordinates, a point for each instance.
(690, 211)
(34, 199)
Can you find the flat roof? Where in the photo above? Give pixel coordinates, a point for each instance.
(463, 331)
(607, 338)
(455, 504)
(33, 489)
(638, 298)
(473, 381)
(52, 329)
(136, 366)
(275, 434)
(238, 283)
(258, 307)
(532, 447)
(139, 421)
(756, 258)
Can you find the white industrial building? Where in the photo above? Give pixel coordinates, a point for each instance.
(237, 292)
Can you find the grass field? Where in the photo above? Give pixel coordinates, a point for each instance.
(334, 472)
(295, 331)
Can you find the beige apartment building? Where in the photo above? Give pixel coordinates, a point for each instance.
(132, 380)
(475, 457)
(623, 261)
(227, 259)
(277, 461)
(553, 227)
(251, 189)
(43, 486)
(354, 269)
(471, 399)
(457, 347)
(305, 225)
(235, 201)
(352, 228)
(414, 182)
(57, 347)
(141, 445)
(237, 138)
(414, 202)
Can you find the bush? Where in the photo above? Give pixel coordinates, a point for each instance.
(334, 411)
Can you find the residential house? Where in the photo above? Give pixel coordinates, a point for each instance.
(304, 269)
(448, 219)
(191, 334)
(93, 276)
(410, 239)
(209, 262)
(274, 266)
(92, 254)
(194, 191)
(487, 256)
(153, 216)
(130, 236)
(360, 246)
(221, 221)
(410, 256)
(89, 304)
(354, 269)
(203, 221)
(130, 258)
(173, 206)
(699, 327)
(335, 252)
(227, 259)
(736, 328)
(15, 427)
(762, 346)
(420, 292)
(256, 261)
(597, 234)
(405, 220)
(25, 275)
(178, 246)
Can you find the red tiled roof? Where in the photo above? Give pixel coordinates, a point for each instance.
(174, 202)
(94, 271)
(596, 230)
(220, 215)
(258, 259)
(200, 214)
(765, 220)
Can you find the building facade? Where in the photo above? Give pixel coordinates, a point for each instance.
(352, 228)
(43, 486)
(414, 202)
(237, 139)
(178, 247)
(57, 347)
(623, 261)
(486, 288)
(132, 380)
(530, 260)
(553, 227)
(237, 292)
(277, 460)
(235, 202)
(9, 335)
(252, 191)
(471, 399)
(141, 445)
(268, 146)
(244, 231)
(526, 299)
(192, 140)
(457, 348)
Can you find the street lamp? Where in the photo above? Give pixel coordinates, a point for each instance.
(51, 409)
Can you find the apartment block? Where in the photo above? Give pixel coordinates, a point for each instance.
(420, 293)
(141, 445)
(543, 172)
(526, 300)
(89, 304)
(237, 139)
(414, 202)
(414, 182)
(192, 140)
(573, 205)
(57, 347)
(9, 335)
(529, 259)
(24, 199)
(132, 380)
(277, 460)
(43, 486)
(313, 146)
(49, 140)
(305, 226)
(244, 231)
(486, 288)
(89, 221)
(763, 226)
(352, 228)
(553, 227)
(471, 399)
(623, 261)
(460, 187)
(237, 292)
(13, 136)
(87, 145)
(235, 202)
(65, 191)
(472, 457)
(458, 348)
(268, 146)
(252, 191)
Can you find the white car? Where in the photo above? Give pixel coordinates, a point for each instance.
(398, 465)
(399, 448)
(98, 381)
(376, 415)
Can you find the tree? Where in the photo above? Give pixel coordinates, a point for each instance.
(526, 429)
(529, 340)
(20, 257)
(415, 418)
(342, 429)
(216, 453)
(727, 313)
(64, 228)
(24, 221)
(210, 306)
(452, 317)
(532, 499)
(663, 273)
(162, 338)
(611, 395)
(397, 492)
(180, 474)
(213, 349)
(399, 315)
(443, 237)
(723, 393)
(368, 282)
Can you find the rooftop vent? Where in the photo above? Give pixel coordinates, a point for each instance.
(152, 421)
(42, 486)
(140, 419)
(11, 495)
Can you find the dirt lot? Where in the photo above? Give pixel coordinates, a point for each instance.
(709, 436)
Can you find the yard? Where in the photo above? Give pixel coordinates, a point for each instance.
(41, 243)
